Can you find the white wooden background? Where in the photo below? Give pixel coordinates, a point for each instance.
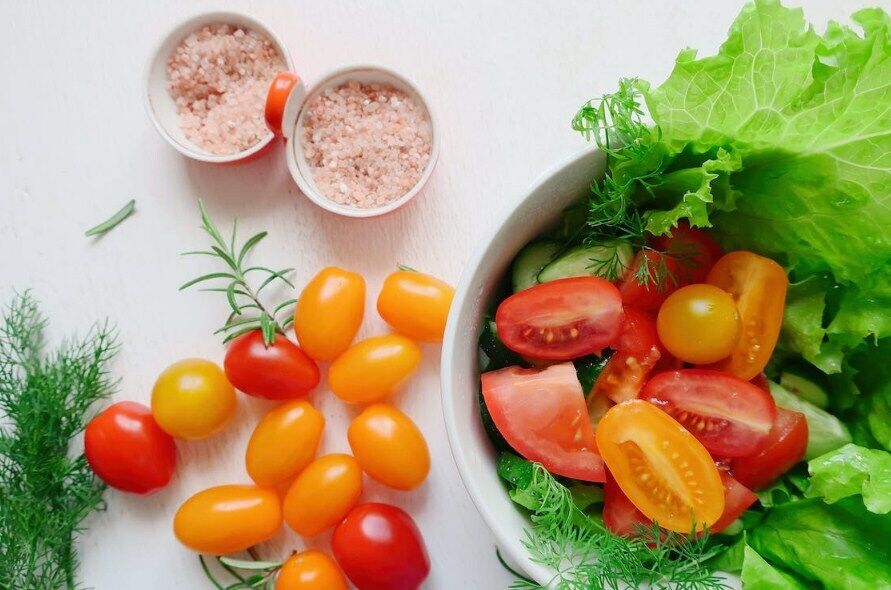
(504, 78)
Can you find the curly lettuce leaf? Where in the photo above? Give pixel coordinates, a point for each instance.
(849, 471)
(758, 574)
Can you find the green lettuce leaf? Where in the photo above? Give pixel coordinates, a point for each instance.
(853, 470)
(757, 574)
(825, 431)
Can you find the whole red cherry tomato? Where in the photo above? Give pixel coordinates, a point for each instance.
(278, 371)
(127, 449)
(379, 547)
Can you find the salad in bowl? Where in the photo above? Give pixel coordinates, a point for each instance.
(685, 371)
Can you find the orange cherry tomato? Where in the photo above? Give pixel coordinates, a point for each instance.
(310, 570)
(699, 324)
(193, 399)
(284, 442)
(373, 368)
(322, 494)
(329, 312)
(389, 447)
(415, 304)
(758, 285)
(665, 472)
(228, 518)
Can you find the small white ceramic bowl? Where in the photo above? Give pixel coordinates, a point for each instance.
(293, 121)
(160, 106)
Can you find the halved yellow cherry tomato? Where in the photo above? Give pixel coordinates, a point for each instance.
(310, 570)
(373, 368)
(322, 494)
(389, 447)
(228, 518)
(329, 313)
(415, 304)
(284, 442)
(193, 399)
(665, 472)
(699, 324)
(758, 285)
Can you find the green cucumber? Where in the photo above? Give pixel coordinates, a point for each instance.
(600, 260)
(530, 261)
(805, 388)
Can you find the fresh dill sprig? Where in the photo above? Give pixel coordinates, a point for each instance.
(586, 556)
(45, 493)
(248, 311)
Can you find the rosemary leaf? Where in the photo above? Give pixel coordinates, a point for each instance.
(249, 245)
(207, 277)
(114, 220)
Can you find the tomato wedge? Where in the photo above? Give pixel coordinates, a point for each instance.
(649, 295)
(737, 499)
(729, 416)
(637, 353)
(541, 413)
(784, 448)
(695, 251)
(620, 516)
(758, 285)
(561, 320)
(665, 472)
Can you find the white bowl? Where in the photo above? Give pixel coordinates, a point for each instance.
(292, 125)
(161, 107)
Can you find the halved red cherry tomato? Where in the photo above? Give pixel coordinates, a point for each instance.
(695, 251)
(729, 416)
(380, 547)
(784, 448)
(760, 381)
(127, 449)
(737, 499)
(279, 371)
(561, 320)
(665, 472)
(650, 294)
(637, 353)
(758, 285)
(620, 516)
(542, 415)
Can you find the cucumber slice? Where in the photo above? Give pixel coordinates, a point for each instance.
(530, 261)
(591, 261)
(804, 388)
(825, 431)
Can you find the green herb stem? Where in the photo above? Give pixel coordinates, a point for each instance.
(114, 220)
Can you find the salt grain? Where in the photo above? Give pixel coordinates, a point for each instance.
(218, 77)
(367, 144)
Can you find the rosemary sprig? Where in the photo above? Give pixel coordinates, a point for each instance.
(113, 221)
(248, 574)
(248, 312)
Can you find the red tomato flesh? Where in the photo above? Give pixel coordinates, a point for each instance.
(695, 251)
(279, 371)
(737, 499)
(561, 320)
(783, 448)
(649, 295)
(637, 353)
(542, 415)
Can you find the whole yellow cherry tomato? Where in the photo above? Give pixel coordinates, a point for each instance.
(228, 518)
(415, 304)
(329, 313)
(193, 399)
(389, 447)
(373, 368)
(310, 570)
(699, 324)
(284, 442)
(322, 494)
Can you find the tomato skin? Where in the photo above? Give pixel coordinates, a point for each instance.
(695, 250)
(729, 416)
(373, 369)
(192, 399)
(389, 447)
(542, 415)
(380, 547)
(636, 440)
(322, 494)
(329, 313)
(784, 448)
(620, 515)
(758, 285)
(228, 518)
(650, 295)
(280, 371)
(284, 442)
(637, 353)
(127, 449)
(699, 324)
(310, 570)
(415, 304)
(561, 320)
(737, 499)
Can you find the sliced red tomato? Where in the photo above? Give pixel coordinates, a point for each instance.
(784, 448)
(620, 515)
(737, 499)
(561, 320)
(729, 416)
(637, 353)
(760, 380)
(542, 415)
(695, 251)
(650, 294)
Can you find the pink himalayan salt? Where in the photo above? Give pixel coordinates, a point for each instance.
(219, 76)
(367, 144)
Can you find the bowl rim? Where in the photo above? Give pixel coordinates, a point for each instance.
(511, 546)
(193, 23)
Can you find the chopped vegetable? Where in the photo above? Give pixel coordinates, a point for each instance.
(825, 431)
(530, 262)
(113, 221)
(850, 471)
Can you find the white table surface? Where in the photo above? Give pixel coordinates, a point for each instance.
(504, 78)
